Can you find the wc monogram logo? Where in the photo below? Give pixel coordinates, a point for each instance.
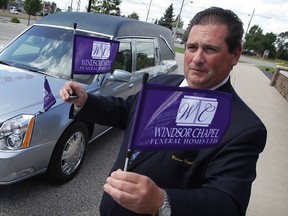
(100, 50)
(196, 111)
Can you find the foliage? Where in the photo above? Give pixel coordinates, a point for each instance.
(282, 45)
(257, 41)
(179, 49)
(282, 63)
(133, 15)
(32, 6)
(3, 3)
(15, 20)
(180, 23)
(53, 7)
(253, 39)
(167, 18)
(267, 43)
(106, 7)
(266, 68)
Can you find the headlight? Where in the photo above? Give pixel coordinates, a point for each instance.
(16, 133)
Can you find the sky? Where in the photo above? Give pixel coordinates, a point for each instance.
(269, 15)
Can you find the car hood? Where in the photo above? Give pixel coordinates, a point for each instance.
(22, 91)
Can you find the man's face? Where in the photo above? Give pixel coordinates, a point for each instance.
(207, 61)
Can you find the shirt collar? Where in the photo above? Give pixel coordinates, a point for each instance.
(185, 84)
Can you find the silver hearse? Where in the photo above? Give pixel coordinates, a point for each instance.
(33, 141)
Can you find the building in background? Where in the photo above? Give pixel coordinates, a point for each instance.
(179, 35)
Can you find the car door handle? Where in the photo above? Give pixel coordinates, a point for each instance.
(131, 85)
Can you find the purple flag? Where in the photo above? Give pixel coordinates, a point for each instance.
(177, 118)
(49, 99)
(92, 55)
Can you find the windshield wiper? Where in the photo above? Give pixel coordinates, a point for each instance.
(33, 69)
(29, 68)
(4, 63)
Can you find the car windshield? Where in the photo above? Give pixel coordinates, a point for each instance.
(44, 49)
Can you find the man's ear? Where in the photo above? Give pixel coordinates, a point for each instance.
(236, 55)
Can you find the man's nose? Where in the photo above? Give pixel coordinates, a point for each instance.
(198, 57)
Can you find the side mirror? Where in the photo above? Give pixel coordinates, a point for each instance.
(120, 76)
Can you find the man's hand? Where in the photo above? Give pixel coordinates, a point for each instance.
(135, 192)
(68, 90)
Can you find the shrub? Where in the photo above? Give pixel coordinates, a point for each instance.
(283, 63)
(15, 20)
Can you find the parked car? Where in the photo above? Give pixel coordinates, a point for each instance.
(179, 40)
(33, 141)
(13, 11)
(249, 52)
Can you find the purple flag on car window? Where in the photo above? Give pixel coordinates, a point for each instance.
(92, 55)
(49, 99)
(177, 118)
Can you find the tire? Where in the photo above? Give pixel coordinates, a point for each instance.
(68, 154)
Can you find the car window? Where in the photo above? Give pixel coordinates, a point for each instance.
(31, 46)
(44, 49)
(145, 54)
(123, 59)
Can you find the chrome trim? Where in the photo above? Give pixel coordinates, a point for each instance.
(167, 43)
(78, 29)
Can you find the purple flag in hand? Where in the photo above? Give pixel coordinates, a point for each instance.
(49, 99)
(92, 55)
(177, 118)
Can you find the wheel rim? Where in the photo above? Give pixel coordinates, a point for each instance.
(73, 153)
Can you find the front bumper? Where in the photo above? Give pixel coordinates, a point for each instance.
(21, 164)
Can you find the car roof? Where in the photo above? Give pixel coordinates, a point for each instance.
(115, 26)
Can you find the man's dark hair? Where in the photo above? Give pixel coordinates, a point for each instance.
(216, 15)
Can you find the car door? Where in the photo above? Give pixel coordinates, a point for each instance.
(145, 59)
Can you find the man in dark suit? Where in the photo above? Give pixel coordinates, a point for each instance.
(206, 182)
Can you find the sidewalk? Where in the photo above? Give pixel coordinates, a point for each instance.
(270, 189)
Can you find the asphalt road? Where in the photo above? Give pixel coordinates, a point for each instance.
(9, 30)
(80, 196)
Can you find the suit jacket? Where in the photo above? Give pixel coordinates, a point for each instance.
(206, 182)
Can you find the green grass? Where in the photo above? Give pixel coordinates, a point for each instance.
(179, 49)
(265, 68)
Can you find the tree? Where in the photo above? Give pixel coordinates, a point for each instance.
(3, 4)
(180, 23)
(133, 15)
(32, 7)
(53, 7)
(106, 7)
(254, 39)
(277, 45)
(282, 45)
(268, 44)
(167, 19)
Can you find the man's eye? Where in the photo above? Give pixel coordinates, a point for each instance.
(192, 48)
(211, 50)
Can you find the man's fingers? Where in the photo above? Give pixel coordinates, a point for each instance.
(120, 194)
(66, 91)
(122, 185)
(126, 176)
